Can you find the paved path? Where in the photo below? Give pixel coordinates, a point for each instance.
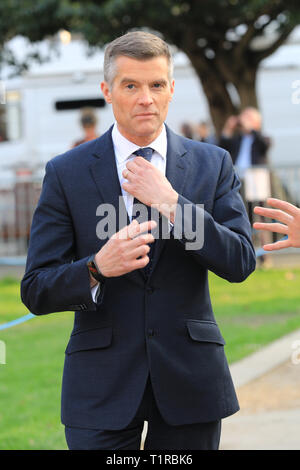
(268, 389)
(269, 418)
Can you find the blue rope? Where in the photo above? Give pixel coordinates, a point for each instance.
(17, 261)
(261, 251)
(4, 326)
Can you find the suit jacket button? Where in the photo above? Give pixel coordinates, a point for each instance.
(150, 332)
(150, 290)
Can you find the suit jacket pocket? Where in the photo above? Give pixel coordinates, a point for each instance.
(90, 339)
(204, 331)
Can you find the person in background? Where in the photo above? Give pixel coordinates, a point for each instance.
(204, 133)
(243, 139)
(88, 123)
(288, 217)
(187, 130)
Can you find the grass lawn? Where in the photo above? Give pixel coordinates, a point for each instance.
(263, 308)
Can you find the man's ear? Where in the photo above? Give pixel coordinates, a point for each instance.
(106, 92)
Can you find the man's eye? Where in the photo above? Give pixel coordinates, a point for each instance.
(130, 86)
(157, 85)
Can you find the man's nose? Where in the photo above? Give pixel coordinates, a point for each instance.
(145, 97)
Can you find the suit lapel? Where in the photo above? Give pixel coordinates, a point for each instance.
(177, 163)
(105, 175)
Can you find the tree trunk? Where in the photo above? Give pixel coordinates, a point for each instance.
(245, 85)
(214, 86)
(219, 102)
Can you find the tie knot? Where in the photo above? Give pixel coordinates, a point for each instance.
(145, 152)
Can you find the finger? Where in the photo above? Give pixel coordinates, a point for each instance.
(141, 240)
(283, 205)
(127, 174)
(139, 251)
(141, 161)
(132, 166)
(127, 231)
(128, 187)
(259, 210)
(277, 246)
(134, 229)
(273, 214)
(140, 263)
(138, 229)
(278, 228)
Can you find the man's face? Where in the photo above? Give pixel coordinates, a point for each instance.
(140, 96)
(250, 120)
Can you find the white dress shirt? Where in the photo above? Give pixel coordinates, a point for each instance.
(124, 149)
(124, 153)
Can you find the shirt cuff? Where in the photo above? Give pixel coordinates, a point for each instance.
(95, 292)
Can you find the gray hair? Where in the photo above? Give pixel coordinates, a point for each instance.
(136, 45)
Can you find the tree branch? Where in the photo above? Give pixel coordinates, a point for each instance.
(269, 9)
(259, 56)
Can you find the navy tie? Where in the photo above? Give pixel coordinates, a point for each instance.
(146, 153)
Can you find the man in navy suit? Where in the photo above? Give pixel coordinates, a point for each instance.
(145, 344)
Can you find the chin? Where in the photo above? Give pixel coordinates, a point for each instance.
(144, 131)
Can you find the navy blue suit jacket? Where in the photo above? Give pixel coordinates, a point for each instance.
(163, 324)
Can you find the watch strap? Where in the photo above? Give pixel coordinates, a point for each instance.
(94, 270)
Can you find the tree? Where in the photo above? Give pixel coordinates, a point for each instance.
(35, 20)
(225, 40)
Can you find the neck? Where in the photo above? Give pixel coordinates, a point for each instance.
(141, 141)
(90, 134)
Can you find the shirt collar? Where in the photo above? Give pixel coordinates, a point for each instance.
(124, 148)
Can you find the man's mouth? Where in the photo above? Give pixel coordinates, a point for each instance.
(145, 114)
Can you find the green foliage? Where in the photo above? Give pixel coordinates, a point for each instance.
(217, 24)
(34, 20)
(216, 35)
(178, 20)
(261, 309)
(30, 383)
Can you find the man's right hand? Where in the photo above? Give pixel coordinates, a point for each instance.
(288, 215)
(230, 126)
(126, 250)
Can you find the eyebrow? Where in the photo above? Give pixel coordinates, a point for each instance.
(127, 80)
(162, 81)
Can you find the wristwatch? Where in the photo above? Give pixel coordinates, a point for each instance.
(94, 270)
